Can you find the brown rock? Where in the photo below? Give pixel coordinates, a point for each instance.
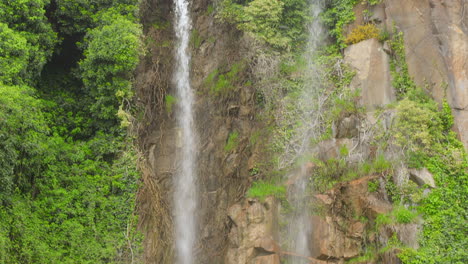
(357, 230)
(269, 259)
(252, 235)
(328, 241)
(267, 244)
(372, 73)
(324, 198)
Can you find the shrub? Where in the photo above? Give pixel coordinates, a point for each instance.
(382, 219)
(417, 126)
(339, 14)
(403, 215)
(361, 33)
(23, 131)
(373, 186)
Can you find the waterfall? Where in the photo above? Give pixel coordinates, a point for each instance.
(185, 193)
(310, 103)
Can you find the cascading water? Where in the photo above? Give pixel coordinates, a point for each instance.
(311, 104)
(185, 193)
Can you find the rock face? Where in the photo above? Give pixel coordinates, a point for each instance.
(436, 41)
(372, 73)
(223, 176)
(253, 232)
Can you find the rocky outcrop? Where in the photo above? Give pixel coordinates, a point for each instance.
(372, 67)
(422, 177)
(341, 233)
(253, 232)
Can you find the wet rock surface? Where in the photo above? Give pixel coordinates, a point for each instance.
(253, 233)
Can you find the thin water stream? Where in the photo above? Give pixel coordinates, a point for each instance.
(185, 193)
(300, 226)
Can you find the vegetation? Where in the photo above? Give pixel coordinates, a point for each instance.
(68, 173)
(262, 190)
(429, 142)
(401, 80)
(170, 101)
(111, 55)
(361, 33)
(280, 23)
(223, 83)
(338, 14)
(232, 142)
(399, 215)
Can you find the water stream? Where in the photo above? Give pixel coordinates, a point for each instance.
(185, 193)
(311, 100)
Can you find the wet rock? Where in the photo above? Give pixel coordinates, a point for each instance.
(253, 233)
(269, 259)
(328, 241)
(422, 177)
(357, 230)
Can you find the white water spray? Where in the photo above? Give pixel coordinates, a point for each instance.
(185, 193)
(312, 99)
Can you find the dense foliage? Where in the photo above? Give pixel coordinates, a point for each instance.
(280, 23)
(27, 18)
(68, 172)
(111, 56)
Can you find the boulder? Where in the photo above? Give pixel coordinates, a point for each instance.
(422, 177)
(372, 67)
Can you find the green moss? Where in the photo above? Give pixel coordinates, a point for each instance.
(169, 100)
(196, 39)
(262, 189)
(209, 10)
(232, 142)
(222, 84)
(382, 219)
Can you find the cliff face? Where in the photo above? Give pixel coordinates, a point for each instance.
(223, 173)
(436, 42)
(437, 45)
(233, 229)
